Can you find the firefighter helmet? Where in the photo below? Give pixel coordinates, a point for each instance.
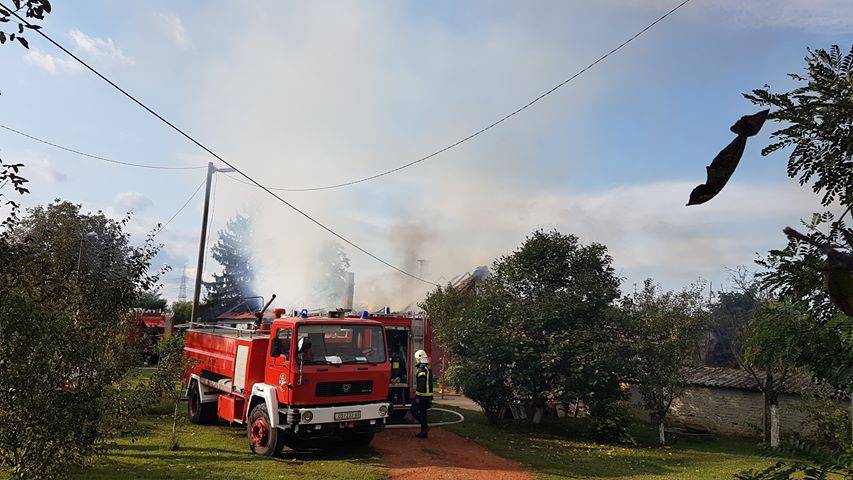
(421, 357)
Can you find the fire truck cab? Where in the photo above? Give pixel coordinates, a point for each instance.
(290, 378)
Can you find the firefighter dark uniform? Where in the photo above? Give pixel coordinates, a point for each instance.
(423, 397)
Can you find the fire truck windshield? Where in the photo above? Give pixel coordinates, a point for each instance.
(333, 344)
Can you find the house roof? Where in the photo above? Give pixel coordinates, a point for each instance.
(736, 378)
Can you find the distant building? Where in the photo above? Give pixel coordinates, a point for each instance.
(728, 401)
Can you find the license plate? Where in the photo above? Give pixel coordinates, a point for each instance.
(348, 415)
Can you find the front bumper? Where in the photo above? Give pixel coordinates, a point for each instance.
(340, 414)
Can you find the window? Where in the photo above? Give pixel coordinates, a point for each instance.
(343, 344)
(283, 338)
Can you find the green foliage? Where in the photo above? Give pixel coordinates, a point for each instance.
(150, 301)
(611, 422)
(663, 330)
(481, 355)
(817, 118)
(332, 266)
(554, 297)
(182, 312)
(232, 252)
(9, 175)
(829, 424)
(797, 272)
(770, 336)
(68, 283)
(446, 308)
(167, 379)
(840, 467)
(543, 326)
(728, 318)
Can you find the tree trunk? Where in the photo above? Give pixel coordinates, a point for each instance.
(174, 440)
(537, 414)
(662, 433)
(774, 424)
(769, 395)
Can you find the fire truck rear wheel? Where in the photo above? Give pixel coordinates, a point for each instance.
(358, 439)
(200, 413)
(264, 439)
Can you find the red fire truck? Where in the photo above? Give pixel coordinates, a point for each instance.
(290, 378)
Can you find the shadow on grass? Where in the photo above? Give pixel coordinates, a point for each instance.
(222, 452)
(562, 448)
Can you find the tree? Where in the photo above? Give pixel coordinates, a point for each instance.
(817, 118)
(232, 251)
(150, 301)
(182, 312)
(446, 308)
(68, 284)
(663, 329)
(558, 294)
(729, 315)
(480, 353)
(332, 269)
(541, 327)
(166, 380)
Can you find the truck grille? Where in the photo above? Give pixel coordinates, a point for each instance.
(335, 389)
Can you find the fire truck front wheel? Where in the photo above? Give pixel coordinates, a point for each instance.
(200, 413)
(264, 439)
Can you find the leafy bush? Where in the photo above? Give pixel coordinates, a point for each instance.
(610, 422)
(840, 466)
(830, 424)
(67, 287)
(483, 387)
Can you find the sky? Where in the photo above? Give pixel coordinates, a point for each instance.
(299, 94)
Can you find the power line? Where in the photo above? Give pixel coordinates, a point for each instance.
(406, 165)
(163, 227)
(493, 124)
(97, 157)
(40, 31)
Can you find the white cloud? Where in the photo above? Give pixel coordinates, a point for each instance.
(49, 63)
(42, 170)
(98, 47)
(131, 201)
(173, 27)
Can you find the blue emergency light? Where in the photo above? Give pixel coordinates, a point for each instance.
(365, 314)
(304, 313)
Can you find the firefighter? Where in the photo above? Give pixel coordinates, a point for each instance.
(423, 392)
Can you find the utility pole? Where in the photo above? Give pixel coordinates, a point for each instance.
(200, 266)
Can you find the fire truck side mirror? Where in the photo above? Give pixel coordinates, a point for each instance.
(304, 344)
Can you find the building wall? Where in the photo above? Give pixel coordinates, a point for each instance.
(728, 411)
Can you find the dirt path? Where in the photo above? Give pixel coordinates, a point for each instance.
(444, 455)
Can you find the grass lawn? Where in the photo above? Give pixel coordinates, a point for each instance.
(219, 452)
(556, 449)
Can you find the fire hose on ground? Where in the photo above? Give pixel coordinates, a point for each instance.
(437, 424)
